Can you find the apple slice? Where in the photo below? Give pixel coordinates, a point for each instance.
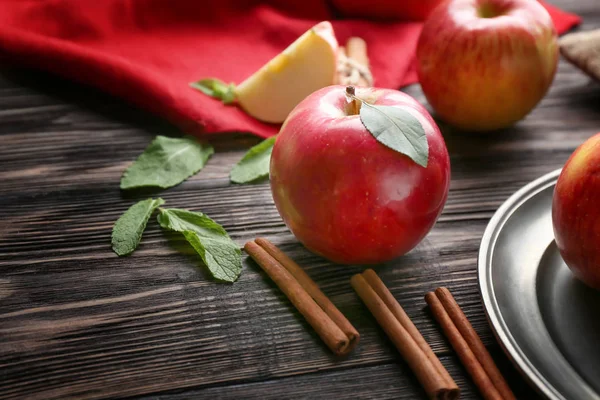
(273, 91)
(307, 65)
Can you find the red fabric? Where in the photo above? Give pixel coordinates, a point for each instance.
(147, 51)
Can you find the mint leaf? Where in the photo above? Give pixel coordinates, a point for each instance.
(127, 231)
(223, 258)
(255, 163)
(397, 129)
(166, 162)
(216, 88)
(180, 220)
(221, 255)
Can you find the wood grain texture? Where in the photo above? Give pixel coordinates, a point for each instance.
(379, 381)
(76, 321)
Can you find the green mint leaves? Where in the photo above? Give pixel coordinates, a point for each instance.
(127, 231)
(220, 254)
(216, 88)
(397, 129)
(166, 162)
(255, 163)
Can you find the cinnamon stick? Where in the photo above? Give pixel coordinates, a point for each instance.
(353, 64)
(468, 346)
(313, 290)
(356, 49)
(325, 327)
(384, 293)
(467, 332)
(437, 384)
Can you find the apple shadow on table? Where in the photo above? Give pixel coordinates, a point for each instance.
(467, 143)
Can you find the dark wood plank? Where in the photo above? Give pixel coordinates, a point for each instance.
(380, 381)
(76, 321)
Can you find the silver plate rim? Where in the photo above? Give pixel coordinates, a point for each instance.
(490, 304)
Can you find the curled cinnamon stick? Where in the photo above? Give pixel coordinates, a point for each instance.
(332, 334)
(468, 345)
(412, 346)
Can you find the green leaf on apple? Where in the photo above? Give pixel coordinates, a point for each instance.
(216, 88)
(397, 129)
(255, 163)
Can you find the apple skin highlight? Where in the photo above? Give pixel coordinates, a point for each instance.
(346, 196)
(576, 212)
(485, 64)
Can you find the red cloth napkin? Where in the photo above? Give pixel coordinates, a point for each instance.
(148, 51)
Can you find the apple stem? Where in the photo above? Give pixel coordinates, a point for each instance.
(353, 106)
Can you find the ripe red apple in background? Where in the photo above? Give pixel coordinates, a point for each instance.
(345, 195)
(484, 64)
(387, 9)
(576, 212)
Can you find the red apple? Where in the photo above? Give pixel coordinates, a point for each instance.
(576, 212)
(485, 64)
(345, 195)
(386, 9)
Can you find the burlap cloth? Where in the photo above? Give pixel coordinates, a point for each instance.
(583, 50)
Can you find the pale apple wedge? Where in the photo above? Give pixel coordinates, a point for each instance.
(307, 65)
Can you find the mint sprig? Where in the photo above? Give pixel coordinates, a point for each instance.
(216, 88)
(220, 254)
(254, 166)
(166, 162)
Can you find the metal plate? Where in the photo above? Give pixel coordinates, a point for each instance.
(547, 322)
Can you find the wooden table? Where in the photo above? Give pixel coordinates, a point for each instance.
(76, 321)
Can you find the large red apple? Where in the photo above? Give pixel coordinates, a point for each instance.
(347, 196)
(415, 10)
(576, 212)
(485, 64)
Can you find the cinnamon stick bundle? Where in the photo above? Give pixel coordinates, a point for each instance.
(406, 337)
(467, 344)
(329, 323)
(353, 64)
